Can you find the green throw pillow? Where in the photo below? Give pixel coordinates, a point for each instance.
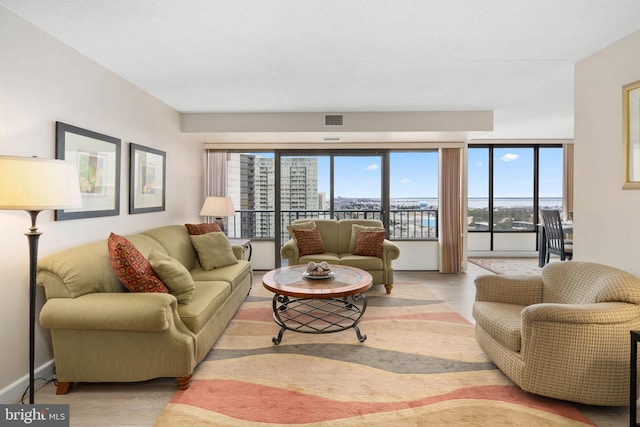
(174, 275)
(354, 234)
(214, 250)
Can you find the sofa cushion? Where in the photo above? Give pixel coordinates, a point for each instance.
(369, 243)
(367, 263)
(355, 228)
(214, 250)
(174, 275)
(209, 297)
(500, 320)
(330, 257)
(204, 228)
(309, 241)
(131, 267)
(235, 274)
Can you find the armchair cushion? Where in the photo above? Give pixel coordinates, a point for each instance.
(503, 322)
(309, 241)
(131, 267)
(214, 250)
(174, 275)
(369, 243)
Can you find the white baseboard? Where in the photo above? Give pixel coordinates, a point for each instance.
(13, 392)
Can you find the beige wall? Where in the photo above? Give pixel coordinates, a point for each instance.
(607, 226)
(43, 81)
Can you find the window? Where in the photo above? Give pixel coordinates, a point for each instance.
(507, 185)
(413, 194)
(349, 184)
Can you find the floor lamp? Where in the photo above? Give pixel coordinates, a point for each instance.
(34, 185)
(218, 207)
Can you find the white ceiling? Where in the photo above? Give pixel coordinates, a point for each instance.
(514, 57)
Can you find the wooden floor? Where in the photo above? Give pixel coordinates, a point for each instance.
(139, 404)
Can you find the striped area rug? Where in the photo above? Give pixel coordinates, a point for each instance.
(420, 366)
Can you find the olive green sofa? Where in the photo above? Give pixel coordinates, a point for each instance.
(562, 334)
(336, 239)
(101, 332)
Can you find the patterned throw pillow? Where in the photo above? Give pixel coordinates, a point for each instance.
(309, 241)
(369, 243)
(204, 228)
(299, 225)
(131, 267)
(355, 229)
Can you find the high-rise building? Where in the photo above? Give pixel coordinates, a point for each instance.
(298, 190)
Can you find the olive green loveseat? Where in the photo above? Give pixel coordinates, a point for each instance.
(101, 332)
(337, 241)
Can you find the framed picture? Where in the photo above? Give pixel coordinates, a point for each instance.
(97, 159)
(631, 132)
(147, 179)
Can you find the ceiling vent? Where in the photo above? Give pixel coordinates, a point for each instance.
(333, 120)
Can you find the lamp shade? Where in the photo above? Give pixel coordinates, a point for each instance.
(218, 207)
(34, 184)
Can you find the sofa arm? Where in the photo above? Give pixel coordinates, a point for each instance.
(291, 252)
(238, 251)
(146, 312)
(390, 251)
(604, 313)
(518, 290)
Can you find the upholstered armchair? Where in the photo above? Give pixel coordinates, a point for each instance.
(563, 334)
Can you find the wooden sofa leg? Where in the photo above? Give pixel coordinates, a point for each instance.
(184, 382)
(63, 387)
(388, 288)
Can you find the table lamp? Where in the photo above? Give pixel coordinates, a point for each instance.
(33, 184)
(218, 207)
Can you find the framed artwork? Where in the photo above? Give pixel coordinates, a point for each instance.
(97, 159)
(147, 178)
(631, 132)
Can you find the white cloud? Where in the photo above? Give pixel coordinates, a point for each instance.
(372, 167)
(509, 157)
(405, 181)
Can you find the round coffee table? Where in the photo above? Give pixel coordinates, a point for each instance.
(318, 305)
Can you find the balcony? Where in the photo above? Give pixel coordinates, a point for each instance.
(404, 224)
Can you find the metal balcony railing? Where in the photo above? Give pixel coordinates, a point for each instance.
(404, 224)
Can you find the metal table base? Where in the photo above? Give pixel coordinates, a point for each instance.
(318, 315)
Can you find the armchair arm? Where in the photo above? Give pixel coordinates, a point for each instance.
(519, 290)
(603, 313)
(146, 312)
(291, 252)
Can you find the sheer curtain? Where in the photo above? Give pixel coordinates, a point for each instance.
(215, 173)
(451, 230)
